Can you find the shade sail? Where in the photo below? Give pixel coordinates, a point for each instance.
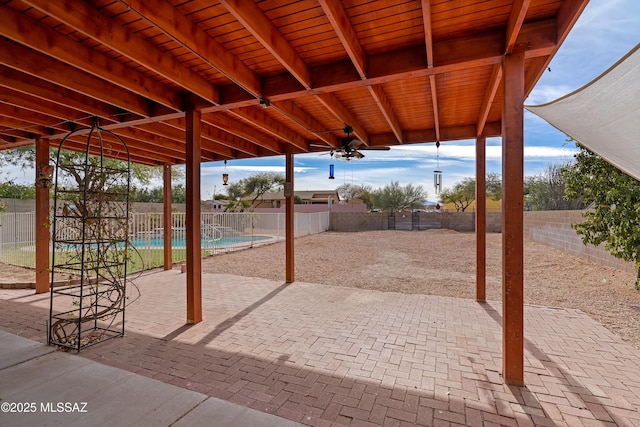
(604, 115)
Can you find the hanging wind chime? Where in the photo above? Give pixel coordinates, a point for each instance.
(225, 175)
(331, 172)
(437, 174)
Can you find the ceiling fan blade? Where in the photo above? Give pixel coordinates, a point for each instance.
(354, 143)
(375, 148)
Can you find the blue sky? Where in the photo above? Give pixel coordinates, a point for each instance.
(605, 32)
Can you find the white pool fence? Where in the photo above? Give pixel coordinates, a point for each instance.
(220, 232)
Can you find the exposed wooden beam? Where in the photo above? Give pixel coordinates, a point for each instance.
(28, 32)
(383, 103)
(298, 116)
(341, 24)
(333, 104)
(167, 18)
(23, 59)
(85, 18)
(10, 122)
(261, 27)
(516, 19)
(29, 118)
(449, 56)
(244, 131)
(428, 39)
(58, 113)
(78, 143)
(276, 129)
(567, 17)
(449, 133)
(50, 92)
(487, 102)
(434, 105)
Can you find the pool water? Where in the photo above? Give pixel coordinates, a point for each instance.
(181, 242)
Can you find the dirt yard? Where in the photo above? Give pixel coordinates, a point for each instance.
(442, 262)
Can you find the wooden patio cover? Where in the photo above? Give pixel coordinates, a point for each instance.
(190, 81)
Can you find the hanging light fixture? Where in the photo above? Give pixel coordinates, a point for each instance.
(225, 175)
(437, 174)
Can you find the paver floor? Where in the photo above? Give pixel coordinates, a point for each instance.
(324, 355)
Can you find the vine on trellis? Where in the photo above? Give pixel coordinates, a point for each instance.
(90, 236)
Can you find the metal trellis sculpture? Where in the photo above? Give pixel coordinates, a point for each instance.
(90, 223)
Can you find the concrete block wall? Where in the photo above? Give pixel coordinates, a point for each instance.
(358, 221)
(553, 228)
(365, 221)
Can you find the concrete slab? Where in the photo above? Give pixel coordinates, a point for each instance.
(40, 386)
(231, 415)
(14, 349)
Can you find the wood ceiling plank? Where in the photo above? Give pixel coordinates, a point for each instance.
(10, 122)
(50, 92)
(384, 104)
(254, 20)
(333, 104)
(307, 122)
(244, 131)
(183, 30)
(269, 125)
(86, 19)
(213, 139)
(23, 59)
(18, 27)
(56, 112)
(343, 28)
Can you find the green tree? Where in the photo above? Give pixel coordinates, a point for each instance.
(494, 186)
(613, 217)
(10, 190)
(257, 185)
(25, 157)
(235, 193)
(394, 197)
(546, 191)
(463, 193)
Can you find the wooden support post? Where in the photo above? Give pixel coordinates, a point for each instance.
(512, 219)
(289, 219)
(43, 180)
(194, 256)
(481, 219)
(166, 219)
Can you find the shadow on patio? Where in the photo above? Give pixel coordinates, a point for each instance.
(325, 355)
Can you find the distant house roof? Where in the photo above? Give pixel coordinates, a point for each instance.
(307, 195)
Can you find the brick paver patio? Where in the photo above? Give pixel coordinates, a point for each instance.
(324, 355)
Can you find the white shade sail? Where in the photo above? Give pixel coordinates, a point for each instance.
(604, 115)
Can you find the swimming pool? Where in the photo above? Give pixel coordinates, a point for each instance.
(205, 241)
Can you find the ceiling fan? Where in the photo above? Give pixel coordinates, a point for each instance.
(351, 147)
